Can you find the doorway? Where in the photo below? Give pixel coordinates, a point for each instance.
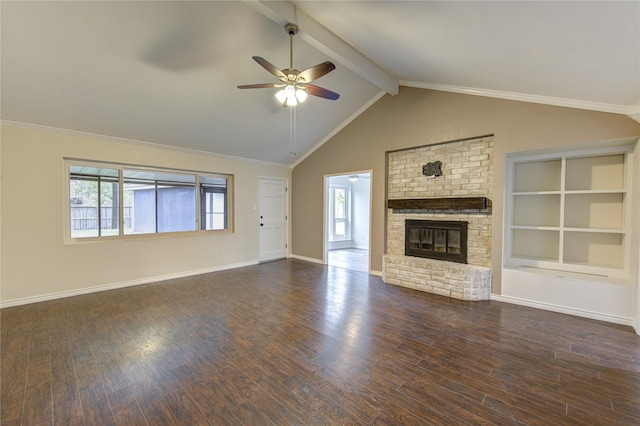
(347, 220)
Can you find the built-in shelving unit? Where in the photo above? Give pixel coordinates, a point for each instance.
(570, 212)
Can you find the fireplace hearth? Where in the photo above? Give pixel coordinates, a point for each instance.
(435, 239)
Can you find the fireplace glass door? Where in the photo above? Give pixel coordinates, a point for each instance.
(443, 240)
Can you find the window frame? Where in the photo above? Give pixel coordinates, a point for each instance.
(347, 213)
(99, 180)
(205, 189)
(68, 163)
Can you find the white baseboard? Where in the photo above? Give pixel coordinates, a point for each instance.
(104, 287)
(564, 309)
(307, 259)
(376, 273)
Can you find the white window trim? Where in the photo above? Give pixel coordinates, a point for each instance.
(347, 219)
(66, 228)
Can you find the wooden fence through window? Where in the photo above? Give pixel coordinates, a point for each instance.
(86, 218)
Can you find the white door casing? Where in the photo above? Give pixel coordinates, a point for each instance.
(273, 219)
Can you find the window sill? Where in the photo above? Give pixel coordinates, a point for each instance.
(132, 237)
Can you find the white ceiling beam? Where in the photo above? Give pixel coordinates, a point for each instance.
(326, 42)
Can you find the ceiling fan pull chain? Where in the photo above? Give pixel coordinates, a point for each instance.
(292, 129)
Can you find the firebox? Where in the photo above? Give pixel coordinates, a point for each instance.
(434, 239)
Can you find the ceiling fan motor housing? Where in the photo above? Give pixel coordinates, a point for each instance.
(291, 29)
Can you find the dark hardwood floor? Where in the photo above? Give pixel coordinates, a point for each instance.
(291, 342)
(350, 258)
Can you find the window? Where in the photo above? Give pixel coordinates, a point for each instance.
(570, 212)
(112, 201)
(340, 213)
(159, 202)
(213, 205)
(94, 196)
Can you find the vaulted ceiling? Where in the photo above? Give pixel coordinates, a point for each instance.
(167, 72)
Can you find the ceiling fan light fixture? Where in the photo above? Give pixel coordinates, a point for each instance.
(291, 101)
(301, 95)
(291, 96)
(290, 91)
(353, 178)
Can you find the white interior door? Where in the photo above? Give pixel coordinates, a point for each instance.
(273, 219)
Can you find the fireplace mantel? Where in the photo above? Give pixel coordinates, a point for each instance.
(455, 204)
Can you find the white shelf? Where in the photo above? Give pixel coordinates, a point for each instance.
(538, 193)
(594, 249)
(569, 229)
(569, 211)
(598, 172)
(537, 176)
(594, 210)
(536, 210)
(536, 244)
(596, 230)
(596, 191)
(537, 228)
(578, 191)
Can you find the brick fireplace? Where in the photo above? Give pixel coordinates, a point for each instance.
(459, 193)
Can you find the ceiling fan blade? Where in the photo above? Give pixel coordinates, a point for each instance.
(316, 72)
(260, 86)
(270, 67)
(320, 92)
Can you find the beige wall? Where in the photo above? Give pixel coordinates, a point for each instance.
(418, 117)
(37, 263)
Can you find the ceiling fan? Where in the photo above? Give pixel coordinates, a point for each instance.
(294, 85)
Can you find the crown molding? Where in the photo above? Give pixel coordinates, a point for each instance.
(76, 133)
(633, 111)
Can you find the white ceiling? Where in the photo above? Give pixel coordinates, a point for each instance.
(166, 72)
